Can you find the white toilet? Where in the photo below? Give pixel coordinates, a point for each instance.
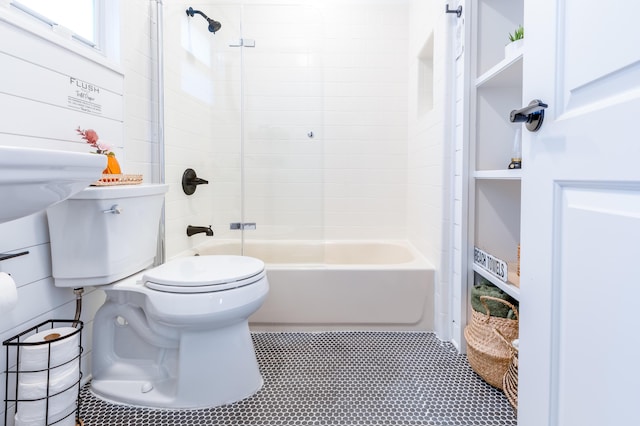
(173, 336)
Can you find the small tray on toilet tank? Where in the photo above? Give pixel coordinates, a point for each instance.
(112, 180)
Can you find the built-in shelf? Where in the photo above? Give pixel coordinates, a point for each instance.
(506, 73)
(498, 174)
(510, 288)
(495, 191)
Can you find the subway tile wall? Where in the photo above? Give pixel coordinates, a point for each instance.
(428, 211)
(458, 290)
(138, 31)
(337, 70)
(425, 159)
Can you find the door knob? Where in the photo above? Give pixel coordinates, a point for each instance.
(532, 115)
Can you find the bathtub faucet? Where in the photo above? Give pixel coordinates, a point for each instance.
(193, 230)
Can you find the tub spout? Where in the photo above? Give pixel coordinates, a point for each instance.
(192, 230)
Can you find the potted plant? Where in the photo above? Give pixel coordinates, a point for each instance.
(515, 42)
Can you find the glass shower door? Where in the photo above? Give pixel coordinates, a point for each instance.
(282, 133)
(203, 128)
(244, 109)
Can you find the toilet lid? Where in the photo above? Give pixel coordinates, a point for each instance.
(202, 274)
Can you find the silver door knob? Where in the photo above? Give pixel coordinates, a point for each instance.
(532, 115)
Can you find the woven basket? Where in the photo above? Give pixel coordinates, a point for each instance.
(486, 351)
(510, 379)
(112, 180)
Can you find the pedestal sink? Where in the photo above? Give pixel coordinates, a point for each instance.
(33, 179)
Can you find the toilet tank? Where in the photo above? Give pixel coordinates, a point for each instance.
(104, 234)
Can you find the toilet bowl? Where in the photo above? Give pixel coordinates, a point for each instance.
(172, 336)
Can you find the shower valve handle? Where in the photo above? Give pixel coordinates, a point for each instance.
(190, 181)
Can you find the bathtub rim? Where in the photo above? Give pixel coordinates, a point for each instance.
(419, 261)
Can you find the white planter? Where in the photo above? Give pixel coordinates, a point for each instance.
(514, 48)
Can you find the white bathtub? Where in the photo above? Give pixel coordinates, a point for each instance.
(341, 285)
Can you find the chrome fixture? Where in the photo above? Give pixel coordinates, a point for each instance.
(242, 42)
(190, 180)
(193, 230)
(213, 25)
(238, 225)
(532, 115)
(115, 209)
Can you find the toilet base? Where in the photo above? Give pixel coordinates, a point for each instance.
(112, 391)
(198, 374)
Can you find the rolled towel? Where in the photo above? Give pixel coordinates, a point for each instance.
(496, 309)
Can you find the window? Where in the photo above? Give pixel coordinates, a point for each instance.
(79, 16)
(88, 20)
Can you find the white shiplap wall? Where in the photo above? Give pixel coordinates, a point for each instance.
(35, 67)
(39, 89)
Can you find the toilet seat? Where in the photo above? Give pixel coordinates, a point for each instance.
(204, 274)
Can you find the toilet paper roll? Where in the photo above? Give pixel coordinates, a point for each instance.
(35, 359)
(62, 395)
(8, 293)
(66, 421)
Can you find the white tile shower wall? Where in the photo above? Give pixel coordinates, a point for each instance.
(35, 113)
(428, 209)
(458, 292)
(202, 121)
(365, 117)
(346, 82)
(283, 165)
(425, 139)
(138, 30)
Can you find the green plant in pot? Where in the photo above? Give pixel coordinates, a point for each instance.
(518, 34)
(515, 42)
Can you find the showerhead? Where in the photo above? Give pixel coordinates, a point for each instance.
(213, 25)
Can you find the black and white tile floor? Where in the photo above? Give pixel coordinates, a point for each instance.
(341, 378)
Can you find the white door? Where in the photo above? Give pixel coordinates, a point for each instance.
(580, 290)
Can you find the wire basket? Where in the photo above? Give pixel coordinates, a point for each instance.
(43, 374)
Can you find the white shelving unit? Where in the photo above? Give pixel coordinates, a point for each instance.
(507, 287)
(494, 190)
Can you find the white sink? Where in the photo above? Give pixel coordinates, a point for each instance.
(33, 179)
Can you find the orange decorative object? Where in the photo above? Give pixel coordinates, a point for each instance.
(113, 168)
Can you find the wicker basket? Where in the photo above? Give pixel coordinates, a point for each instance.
(112, 180)
(510, 379)
(486, 351)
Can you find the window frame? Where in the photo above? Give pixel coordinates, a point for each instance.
(106, 15)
